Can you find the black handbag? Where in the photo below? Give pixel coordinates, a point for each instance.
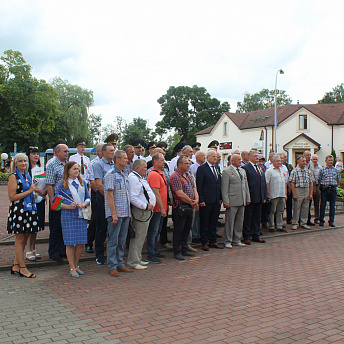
(185, 210)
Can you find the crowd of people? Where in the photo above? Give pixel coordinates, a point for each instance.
(121, 199)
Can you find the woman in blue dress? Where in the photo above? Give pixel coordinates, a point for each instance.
(74, 225)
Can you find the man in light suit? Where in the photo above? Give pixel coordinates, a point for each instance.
(208, 180)
(258, 193)
(235, 195)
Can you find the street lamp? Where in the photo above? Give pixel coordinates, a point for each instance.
(274, 147)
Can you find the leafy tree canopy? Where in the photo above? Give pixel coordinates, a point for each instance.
(137, 128)
(27, 105)
(334, 96)
(186, 110)
(263, 99)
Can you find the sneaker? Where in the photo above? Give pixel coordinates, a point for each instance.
(160, 256)
(143, 262)
(100, 261)
(293, 227)
(305, 227)
(179, 256)
(154, 260)
(240, 244)
(168, 246)
(139, 267)
(188, 254)
(228, 245)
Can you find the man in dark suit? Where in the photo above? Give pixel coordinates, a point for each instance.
(258, 193)
(208, 180)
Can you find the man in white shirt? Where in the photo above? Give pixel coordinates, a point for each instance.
(138, 145)
(276, 185)
(195, 148)
(177, 149)
(269, 163)
(142, 199)
(83, 160)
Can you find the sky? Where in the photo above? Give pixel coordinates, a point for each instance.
(130, 52)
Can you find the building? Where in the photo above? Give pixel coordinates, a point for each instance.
(316, 127)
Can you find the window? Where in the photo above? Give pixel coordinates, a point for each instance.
(225, 129)
(303, 122)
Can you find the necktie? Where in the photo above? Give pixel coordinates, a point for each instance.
(239, 173)
(215, 174)
(82, 165)
(75, 185)
(257, 171)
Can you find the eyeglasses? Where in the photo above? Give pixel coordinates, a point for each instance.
(32, 147)
(65, 151)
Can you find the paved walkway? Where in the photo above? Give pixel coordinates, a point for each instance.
(289, 290)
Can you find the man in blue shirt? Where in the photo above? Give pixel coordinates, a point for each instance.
(100, 168)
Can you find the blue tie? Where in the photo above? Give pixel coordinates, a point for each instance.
(75, 185)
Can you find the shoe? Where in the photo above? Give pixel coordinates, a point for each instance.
(63, 256)
(154, 260)
(89, 249)
(114, 273)
(188, 254)
(331, 224)
(282, 230)
(272, 230)
(305, 227)
(316, 221)
(321, 224)
(100, 261)
(310, 223)
(179, 256)
(247, 242)
(240, 244)
(74, 275)
(191, 249)
(215, 245)
(218, 236)
(57, 259)
(143, 262)
(14, 272)
(205, 247)
(290, 222)
(293, 227)
(139, 267)
(22, 275)
(228, 245)
(37, 255)
(259, 240)
(30, 256)
(168, 246)
(80, 272)
(124, 269)
(265, 226)
(283, 226)
(160, 256)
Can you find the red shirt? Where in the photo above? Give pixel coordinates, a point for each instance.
(179, 182)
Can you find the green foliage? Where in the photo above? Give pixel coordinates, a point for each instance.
(118, 127)
(340, 192)
(334, 96)
(137, 128)
(4, 176)
(27, 105)
(95, 123)
(333, 153)
(263, 99)
(187, 110)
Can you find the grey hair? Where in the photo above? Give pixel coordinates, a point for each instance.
(199, 153)
(158, 150)
(126, 147)
(300, 157)
(99, 146)
(251, 152)
(211, 151)
(185, 148)
(118, 154)
(137, 163)
(18, 157)
(276, 156)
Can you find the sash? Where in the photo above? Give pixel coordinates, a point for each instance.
(29, 201)
(78, 195)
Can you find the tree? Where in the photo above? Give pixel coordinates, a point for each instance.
(186, 110)
(117, 126)
(137, 128)
(263, 99)
(335, 96)
(95, 123)
(27, 105)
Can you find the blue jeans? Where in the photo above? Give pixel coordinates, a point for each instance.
(101, 227)
(117, 235)
(331, 196)
(153, 233)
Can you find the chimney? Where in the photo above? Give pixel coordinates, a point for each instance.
(298, 102)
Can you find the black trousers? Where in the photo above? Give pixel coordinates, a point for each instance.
(181, 230)
(289, 206)
(163, 232)
(252, 221)
(208, 218)
(91, 230)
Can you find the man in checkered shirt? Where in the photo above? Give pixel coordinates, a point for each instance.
(329, 178)
(301, 182)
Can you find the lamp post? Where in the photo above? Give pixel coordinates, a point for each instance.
(274, 147)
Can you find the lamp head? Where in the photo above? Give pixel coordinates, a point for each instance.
(281, 71)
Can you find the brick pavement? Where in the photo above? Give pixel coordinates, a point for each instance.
(289, 290)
